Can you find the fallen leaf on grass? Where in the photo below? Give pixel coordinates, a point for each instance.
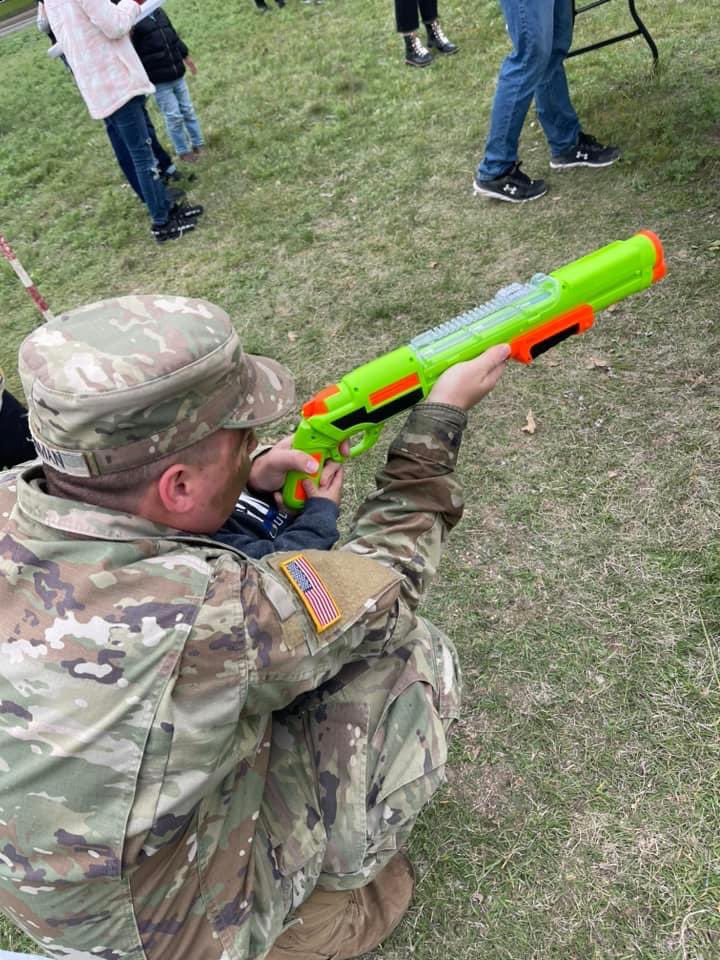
(612, 474)
(530, 426)
(598, 363)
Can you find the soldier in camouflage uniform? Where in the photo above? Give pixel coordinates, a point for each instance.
(206, 757)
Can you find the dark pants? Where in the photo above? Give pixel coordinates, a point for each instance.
(129, 127)
(122, 154)
(15, 443)
(406, 14)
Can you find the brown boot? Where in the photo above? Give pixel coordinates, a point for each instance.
(340, 924)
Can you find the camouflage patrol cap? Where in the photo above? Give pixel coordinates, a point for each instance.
(124, 382)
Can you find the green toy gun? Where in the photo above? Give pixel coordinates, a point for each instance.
(531, 317)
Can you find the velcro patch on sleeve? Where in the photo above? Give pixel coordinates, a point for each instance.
(318, 600)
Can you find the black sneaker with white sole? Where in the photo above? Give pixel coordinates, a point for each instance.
(172, 230)
(189, 212)
(166, 231)
(513, 186)
(587, 152)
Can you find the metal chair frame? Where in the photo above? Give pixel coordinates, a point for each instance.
(640, 30)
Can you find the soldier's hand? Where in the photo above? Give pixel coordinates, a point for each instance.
(268, 471)
(467, 383)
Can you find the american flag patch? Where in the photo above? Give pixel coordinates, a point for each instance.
(312, 591)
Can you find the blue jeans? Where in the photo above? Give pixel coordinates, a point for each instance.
(541, 34)
(162, 158)
(175, 104)
(127, 126)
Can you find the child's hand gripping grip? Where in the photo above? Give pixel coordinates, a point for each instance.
(293, 492)
(316, 445)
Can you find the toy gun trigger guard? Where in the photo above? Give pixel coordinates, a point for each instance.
(364, 441)
(531, 344)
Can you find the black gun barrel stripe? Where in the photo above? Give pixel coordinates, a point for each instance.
(537, 348)
(359, 417)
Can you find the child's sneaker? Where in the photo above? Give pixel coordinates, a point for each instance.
(173, 229)
(587, 152)
(166, 231)
(186, 212)
(513, 186)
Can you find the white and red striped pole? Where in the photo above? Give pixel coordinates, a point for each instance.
(9, 254)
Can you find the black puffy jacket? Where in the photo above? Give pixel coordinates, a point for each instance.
(159, 47)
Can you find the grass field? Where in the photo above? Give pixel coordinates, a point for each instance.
(10, 8)
(582, 588)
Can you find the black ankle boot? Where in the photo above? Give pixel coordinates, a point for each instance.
(437, 39)
(415, 53)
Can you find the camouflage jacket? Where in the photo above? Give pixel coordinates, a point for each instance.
(139, 674)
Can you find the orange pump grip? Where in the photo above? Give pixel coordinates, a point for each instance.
(531, 344)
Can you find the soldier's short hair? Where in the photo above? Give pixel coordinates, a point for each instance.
(124, 490)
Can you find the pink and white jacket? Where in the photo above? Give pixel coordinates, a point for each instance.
(95, 38)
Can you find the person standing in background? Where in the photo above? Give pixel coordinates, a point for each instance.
(95, 38)
(541, 34)
(163, 160)
(165, 58)
(407, 21)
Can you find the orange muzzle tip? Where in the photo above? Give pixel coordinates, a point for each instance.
(660, 268)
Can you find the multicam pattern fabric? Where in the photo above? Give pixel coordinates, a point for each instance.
(184, 757)
(122, 382)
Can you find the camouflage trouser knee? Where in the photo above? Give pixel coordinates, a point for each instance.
(412, 697)
(374, 739)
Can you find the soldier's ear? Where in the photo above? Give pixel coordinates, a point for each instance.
(178, 488)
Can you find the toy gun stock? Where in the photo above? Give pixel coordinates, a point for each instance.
(531, 317)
